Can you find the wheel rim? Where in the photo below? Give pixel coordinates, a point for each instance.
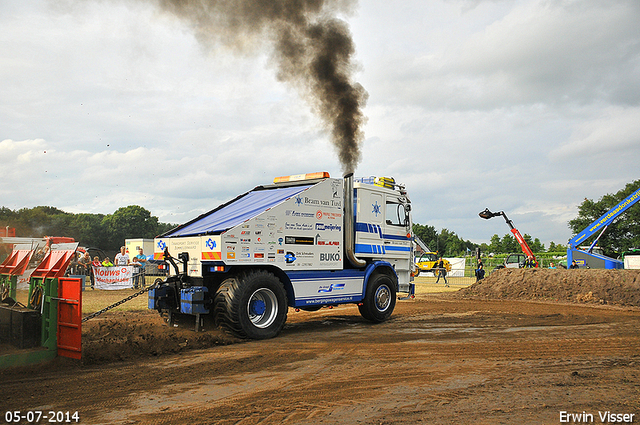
(262, 308)
(383, 298)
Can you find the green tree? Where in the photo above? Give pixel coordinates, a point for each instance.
(427, 234)
(537, 246)
(88, 229)
(98, 230)
(509, 244)
(534, 244)
(130, 222)
(623, 233)
(496, 244)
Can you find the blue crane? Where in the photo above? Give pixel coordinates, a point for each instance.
(587, 258)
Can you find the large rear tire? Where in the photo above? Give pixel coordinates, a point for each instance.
(380, 299)
(252, 305)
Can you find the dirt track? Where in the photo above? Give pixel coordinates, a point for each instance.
(440, 360)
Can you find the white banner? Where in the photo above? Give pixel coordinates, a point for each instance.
(111, 278)
(457, 266)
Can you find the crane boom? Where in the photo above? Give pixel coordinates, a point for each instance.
(606, 219)
(486, 214)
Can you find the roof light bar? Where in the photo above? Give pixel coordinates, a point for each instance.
(301, 177)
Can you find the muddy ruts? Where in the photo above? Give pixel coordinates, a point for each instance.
(311, 48)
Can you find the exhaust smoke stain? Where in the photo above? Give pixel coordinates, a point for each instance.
(311, 47)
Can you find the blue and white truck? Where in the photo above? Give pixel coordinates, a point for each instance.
(306, 242)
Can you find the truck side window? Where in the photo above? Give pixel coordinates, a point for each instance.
(395, 214)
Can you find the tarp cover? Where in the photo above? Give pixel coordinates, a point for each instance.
(236, 212)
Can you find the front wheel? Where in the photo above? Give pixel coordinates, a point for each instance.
(380, 299)
(252, 305)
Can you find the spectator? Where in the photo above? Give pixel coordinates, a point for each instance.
(574, 265)
(84, 264)
(139, 263)
(122, 259)
(529, 263)
(551, 266)
(442, 272)
(106, 262)
(480, 272)
(95, 263)
(73, 268)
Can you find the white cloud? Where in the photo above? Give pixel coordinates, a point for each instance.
(615, 133)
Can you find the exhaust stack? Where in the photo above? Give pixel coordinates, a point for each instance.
(349, 224)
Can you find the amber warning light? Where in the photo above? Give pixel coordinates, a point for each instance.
(302, 177)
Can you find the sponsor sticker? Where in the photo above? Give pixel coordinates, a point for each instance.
(298, 240)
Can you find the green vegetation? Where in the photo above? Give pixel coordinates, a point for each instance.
(107, 232)
(449, 244)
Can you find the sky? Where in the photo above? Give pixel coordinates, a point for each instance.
(521, 106)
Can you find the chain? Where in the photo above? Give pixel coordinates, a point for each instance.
(129, 298)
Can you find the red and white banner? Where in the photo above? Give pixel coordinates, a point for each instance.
(110, 278)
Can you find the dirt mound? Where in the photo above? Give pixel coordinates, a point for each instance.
(139, 335)
(616, 287)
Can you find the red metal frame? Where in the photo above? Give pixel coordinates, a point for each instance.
(16, 263)
(70, 317)
(54, 264)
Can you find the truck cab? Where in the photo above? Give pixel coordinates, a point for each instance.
(383, 226)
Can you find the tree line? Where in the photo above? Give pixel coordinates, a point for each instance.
(104, 231)
(109, 231)
(621, 235)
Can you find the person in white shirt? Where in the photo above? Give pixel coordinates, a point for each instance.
(122, 259)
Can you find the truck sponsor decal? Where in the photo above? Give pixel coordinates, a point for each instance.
(298, 240)
(333, 300)
(298, 226)
(294, 213)
(328, 243)
(329, 227)
(330, 288)
(330, 215)
(211, 244)
(289, 257)
(329, 257)
(305, 200)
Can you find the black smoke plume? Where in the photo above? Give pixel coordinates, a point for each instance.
(311, 47)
